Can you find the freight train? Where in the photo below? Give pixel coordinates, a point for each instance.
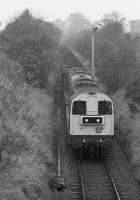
(89, 112)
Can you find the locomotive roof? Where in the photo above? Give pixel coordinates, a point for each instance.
(74, 70)
(84, 94)
(78, 76)
(81, 84)
(84, 87)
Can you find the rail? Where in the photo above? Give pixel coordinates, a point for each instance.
(81, 182)
(113, 182)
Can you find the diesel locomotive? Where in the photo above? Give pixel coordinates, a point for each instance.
(89, 112)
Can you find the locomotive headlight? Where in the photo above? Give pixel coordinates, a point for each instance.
(92, 120)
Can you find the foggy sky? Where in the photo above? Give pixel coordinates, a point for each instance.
(52, 9)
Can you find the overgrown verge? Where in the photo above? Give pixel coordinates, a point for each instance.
(127, 117)
(32, 42)
(28, 58)
(27, 134)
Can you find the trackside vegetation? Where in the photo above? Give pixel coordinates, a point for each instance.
(28, 57)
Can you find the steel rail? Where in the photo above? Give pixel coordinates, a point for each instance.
(113, 183)
(81, 182)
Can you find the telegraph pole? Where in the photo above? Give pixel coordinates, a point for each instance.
(94, 29)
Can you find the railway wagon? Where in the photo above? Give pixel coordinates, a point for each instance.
(89, 112)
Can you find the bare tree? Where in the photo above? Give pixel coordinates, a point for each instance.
(113, 17)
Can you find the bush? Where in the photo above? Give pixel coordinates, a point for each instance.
(33, 43)
(26, 139)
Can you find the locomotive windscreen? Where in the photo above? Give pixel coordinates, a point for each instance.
(79, 108)
(104, 108)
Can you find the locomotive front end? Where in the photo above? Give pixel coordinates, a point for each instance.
(91, 121)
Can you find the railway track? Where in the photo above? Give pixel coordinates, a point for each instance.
(94, 182)
(99, 184)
